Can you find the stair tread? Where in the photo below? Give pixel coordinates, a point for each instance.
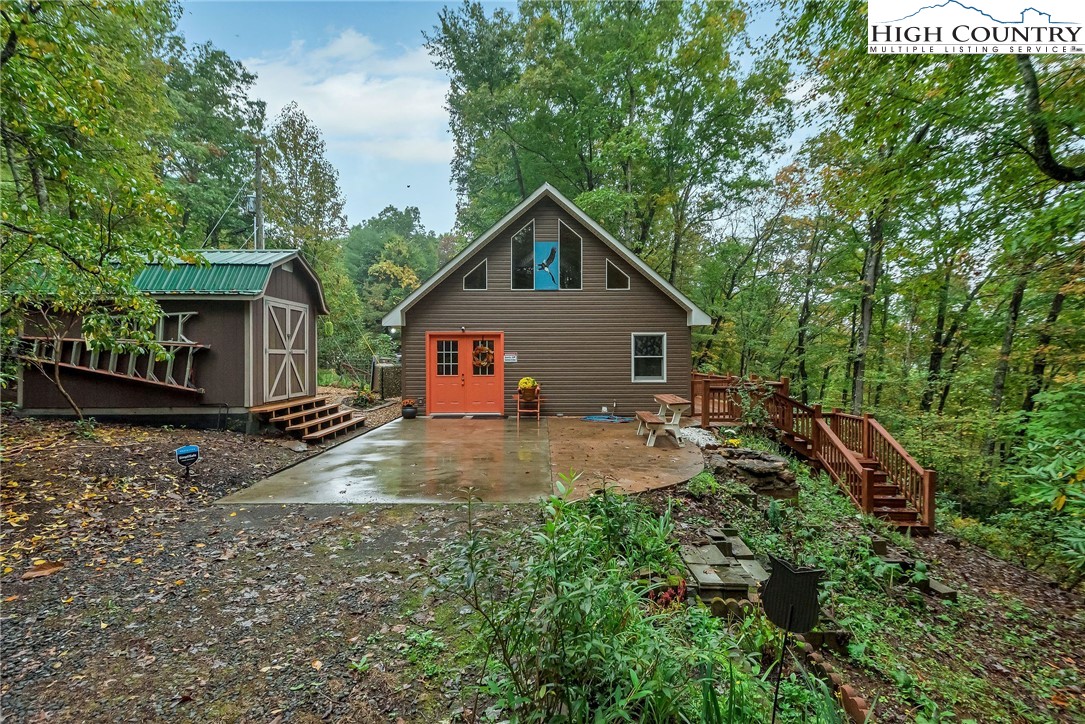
(306, 424)
(303, 413)
(325, 432)
(282, 404)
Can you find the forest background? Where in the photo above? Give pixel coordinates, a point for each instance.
(900, 235)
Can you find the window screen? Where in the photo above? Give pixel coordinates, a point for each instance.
(649, 357)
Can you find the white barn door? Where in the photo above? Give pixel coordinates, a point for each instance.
(286, 350)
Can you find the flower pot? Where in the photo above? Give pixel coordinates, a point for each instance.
(528, 394)
(410, 412)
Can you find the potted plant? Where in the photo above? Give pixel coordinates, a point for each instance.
(409, 410)
(528, 389)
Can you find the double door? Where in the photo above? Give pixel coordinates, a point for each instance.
(465, 373)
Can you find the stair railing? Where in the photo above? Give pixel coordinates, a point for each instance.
(837, 440)
(842, 465)
(915, 482)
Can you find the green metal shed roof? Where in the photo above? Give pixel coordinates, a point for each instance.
(240, 273)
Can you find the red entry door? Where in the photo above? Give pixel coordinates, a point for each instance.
(465, 373)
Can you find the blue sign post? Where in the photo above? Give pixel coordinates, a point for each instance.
(187, 456)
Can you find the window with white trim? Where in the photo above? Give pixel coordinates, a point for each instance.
(476, 278)
(547, 264)
(617, 280)
(649, 357)
(570, 253)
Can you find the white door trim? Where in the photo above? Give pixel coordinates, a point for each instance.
(296, 380)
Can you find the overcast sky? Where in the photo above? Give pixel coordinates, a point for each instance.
(360, 72)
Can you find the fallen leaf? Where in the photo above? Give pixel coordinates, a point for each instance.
(42, 568)
(318, 665)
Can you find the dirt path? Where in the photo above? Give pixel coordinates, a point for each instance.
(168, 607)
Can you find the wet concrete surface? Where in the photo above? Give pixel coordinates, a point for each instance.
(613, 454)
(419, 461)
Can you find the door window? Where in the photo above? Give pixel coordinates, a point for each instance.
(482, 357)
(448, 357)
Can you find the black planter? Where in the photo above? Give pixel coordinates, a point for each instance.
(410, 412)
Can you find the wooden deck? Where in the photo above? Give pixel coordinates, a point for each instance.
(875, 470)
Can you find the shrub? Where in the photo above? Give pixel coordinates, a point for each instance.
(566, 628)
(703, 484)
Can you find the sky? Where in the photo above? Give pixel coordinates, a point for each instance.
(360, 72)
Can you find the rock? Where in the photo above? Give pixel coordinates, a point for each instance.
(765, 473)
(760, 468)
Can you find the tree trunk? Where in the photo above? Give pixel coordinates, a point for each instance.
(998, 386)
(9, 151)
(849, 368)
(38, 180)
(938, 342)
(824, 381)
(872, 269)
(879, 369)
(1043, 339)
(955, 361)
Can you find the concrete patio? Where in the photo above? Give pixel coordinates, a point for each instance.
(495, 460)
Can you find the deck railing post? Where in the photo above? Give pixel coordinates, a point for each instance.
(868, 490)
(930, 480)
(815, 432)
(785, 387)
(868, 434)
(706, 403)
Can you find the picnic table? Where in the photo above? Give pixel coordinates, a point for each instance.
(668, 419)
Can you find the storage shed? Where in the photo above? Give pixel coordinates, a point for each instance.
(546, 293)
(241, 331)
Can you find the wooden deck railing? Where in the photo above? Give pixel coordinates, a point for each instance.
(851, 448)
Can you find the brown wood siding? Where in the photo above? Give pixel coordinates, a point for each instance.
(219, 370)
(258, 396)
(577, 344)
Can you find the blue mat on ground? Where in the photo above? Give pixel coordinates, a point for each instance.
(606, 418)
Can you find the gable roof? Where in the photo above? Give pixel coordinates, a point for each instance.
(228, 273)
(694, 314)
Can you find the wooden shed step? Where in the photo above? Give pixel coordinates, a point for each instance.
(348, 424)
(284, 404)
(315, 423)
(303, 413)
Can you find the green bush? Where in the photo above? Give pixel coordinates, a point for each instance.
(703, 484)
(567, 631)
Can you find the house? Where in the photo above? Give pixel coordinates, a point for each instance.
(240, 330)
(545, 293)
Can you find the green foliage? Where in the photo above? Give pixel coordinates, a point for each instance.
(388, 256)
(364, 397)
(635, 110)
(83, 207)
(425, 650)
(209, 157)
(567, 633)
(703, 484)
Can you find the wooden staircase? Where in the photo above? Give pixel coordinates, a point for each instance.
(860, 456)
(312, 419)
